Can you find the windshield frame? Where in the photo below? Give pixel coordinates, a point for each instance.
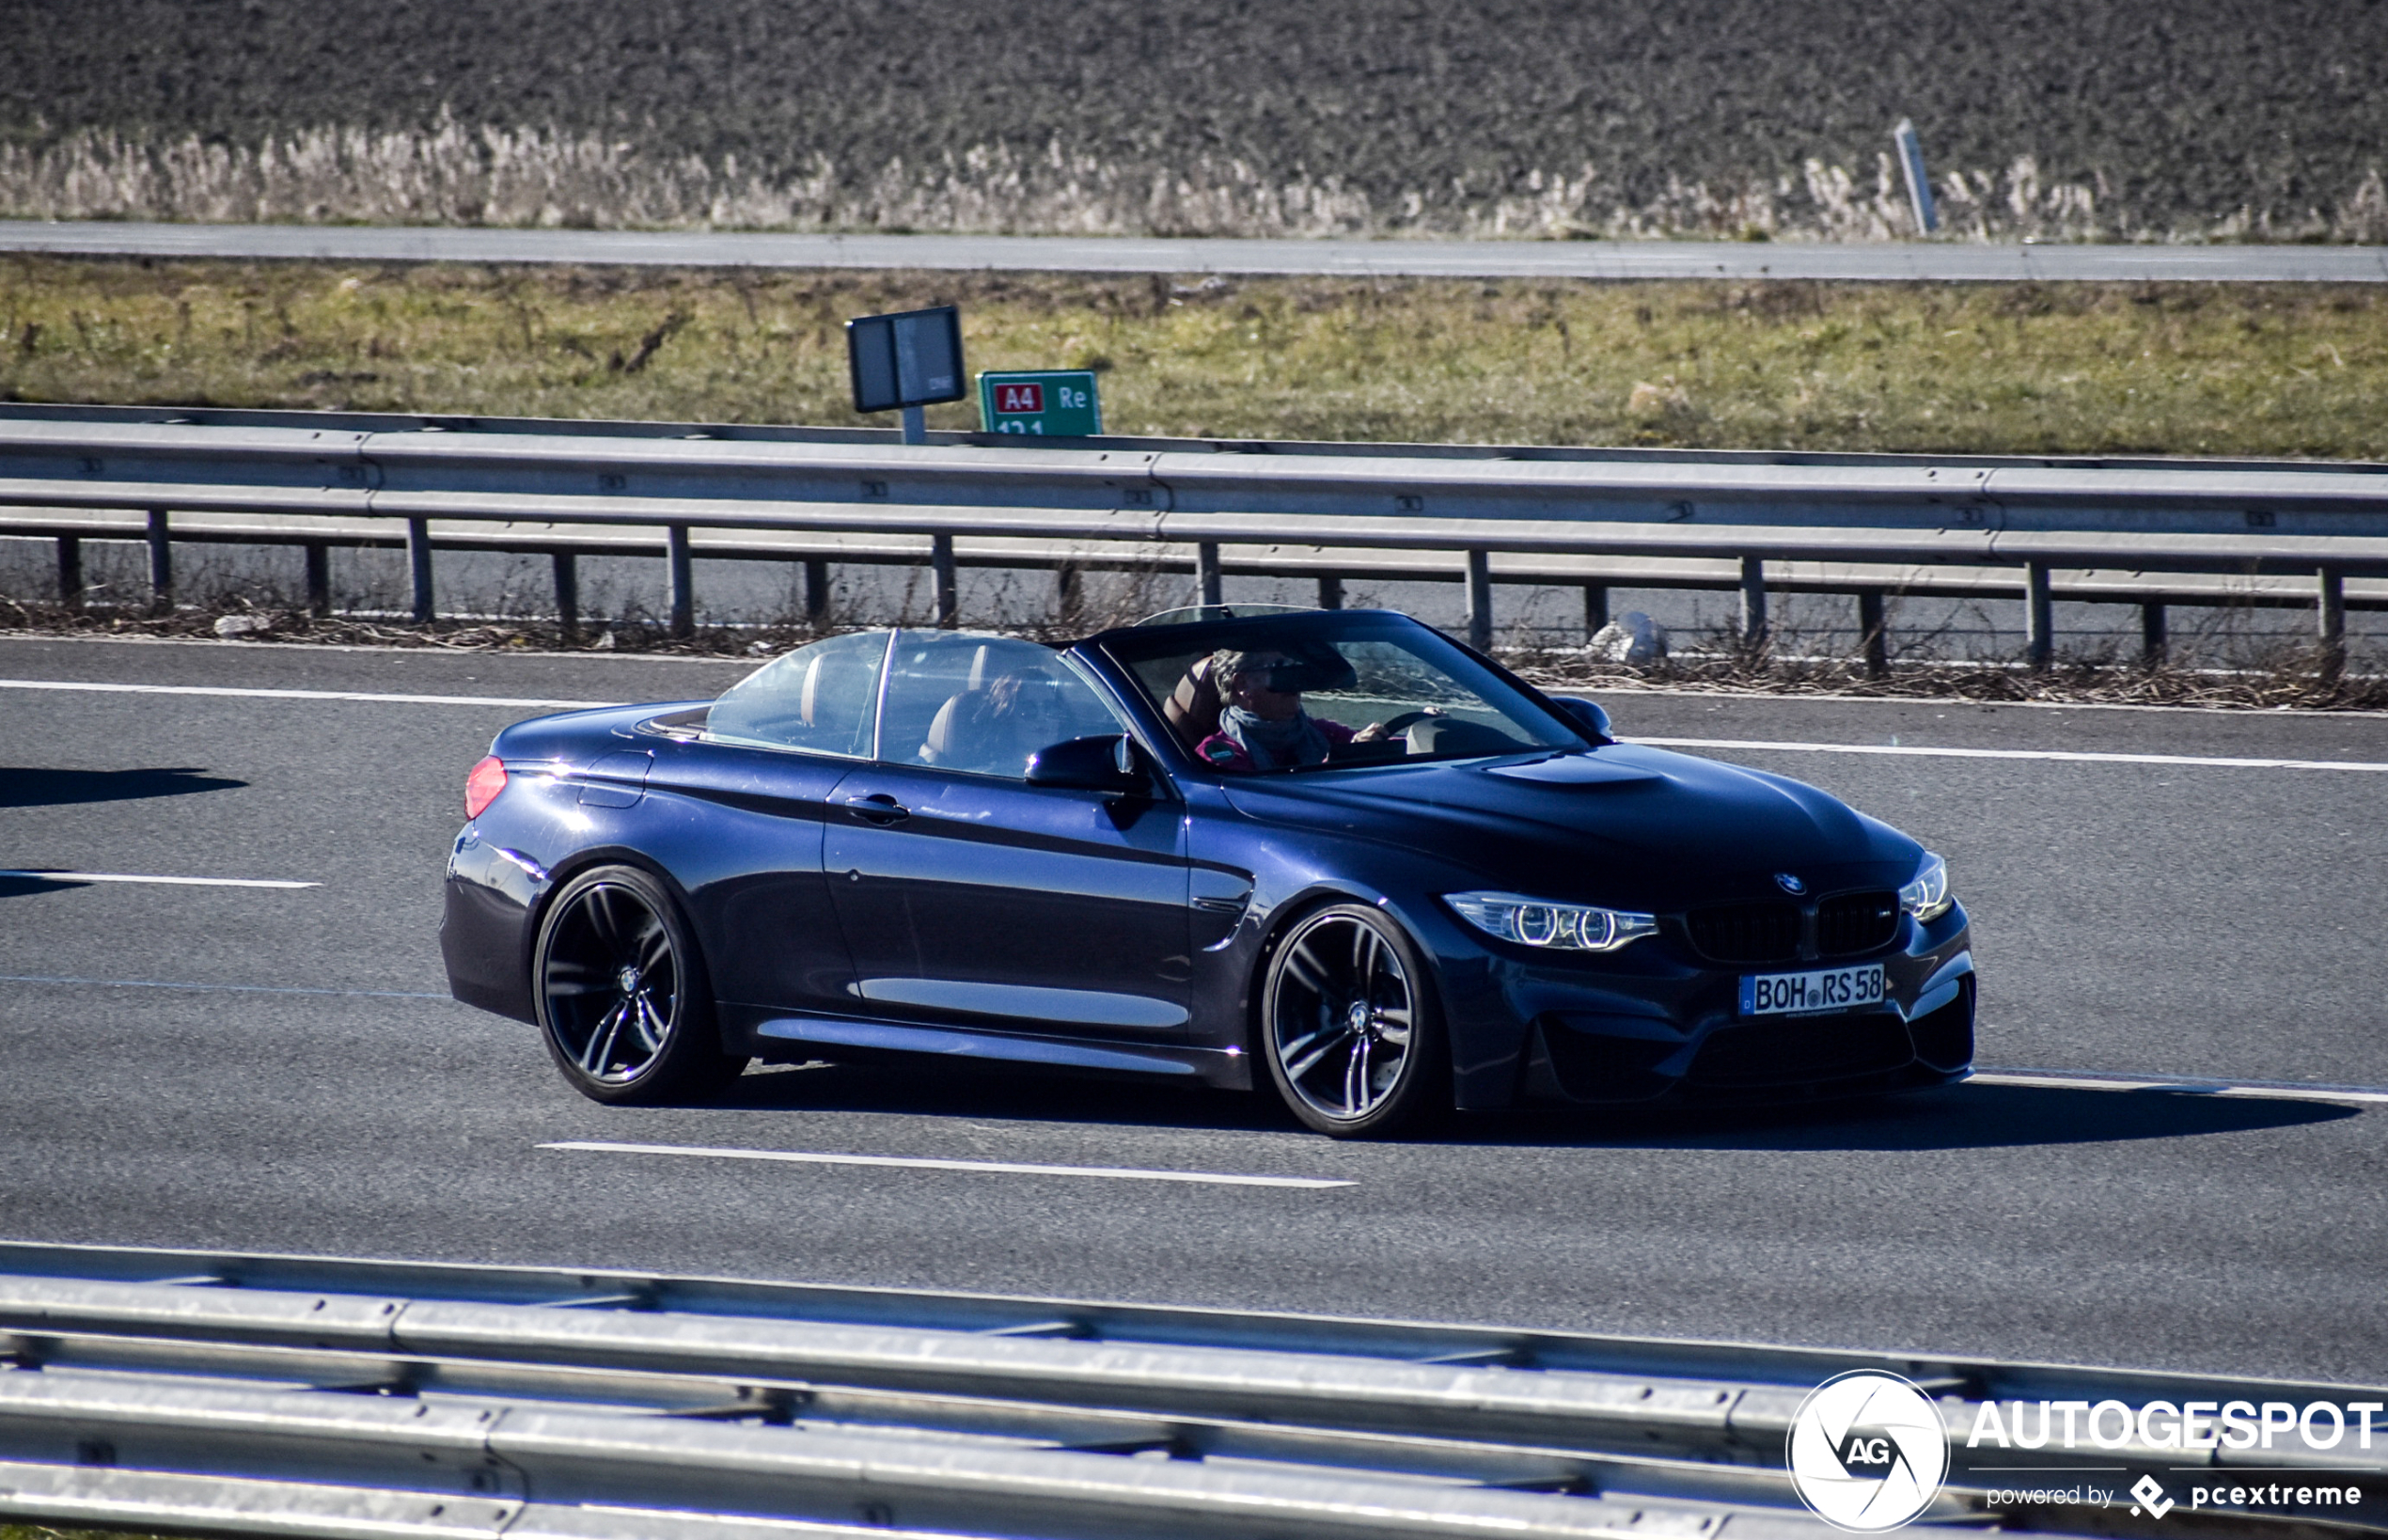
(1121, 650)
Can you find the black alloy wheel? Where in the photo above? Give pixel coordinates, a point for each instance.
(621, 993)
(1349, 1026)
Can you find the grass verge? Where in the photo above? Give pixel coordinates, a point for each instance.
(2086, 369)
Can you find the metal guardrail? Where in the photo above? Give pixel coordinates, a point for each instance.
(299, 1396)
(2154, 532)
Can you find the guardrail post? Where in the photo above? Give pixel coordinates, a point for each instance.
(2151, 635)
(1207, 581)
(1331, 593)
(683, 598)
(71, 571)
(418, 566)
(1596, 609)
(1067, 591)
(568, 594)
(2330, 620)
(816, 591)
(2039, 617)
(948, 595)
(1479, 617)
(1875, 631)
(1753, 603)
(161, 564)
(318, 578)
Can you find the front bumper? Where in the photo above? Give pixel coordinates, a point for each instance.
(1663, 1030)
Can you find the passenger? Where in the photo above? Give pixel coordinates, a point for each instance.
(997, 727)
(1262, 727)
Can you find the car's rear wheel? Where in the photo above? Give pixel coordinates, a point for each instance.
(621, 993)
(1349, 1026)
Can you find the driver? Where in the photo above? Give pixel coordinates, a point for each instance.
(1262, 727)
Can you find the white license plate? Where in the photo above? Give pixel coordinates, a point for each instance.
(1827, 989)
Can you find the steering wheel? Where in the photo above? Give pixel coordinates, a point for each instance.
(1397, 728)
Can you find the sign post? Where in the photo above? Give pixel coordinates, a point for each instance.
(907, 360)
(1053, 402)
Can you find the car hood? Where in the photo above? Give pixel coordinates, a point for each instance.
(1622, 824)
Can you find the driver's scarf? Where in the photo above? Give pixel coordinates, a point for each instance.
(1274, 745)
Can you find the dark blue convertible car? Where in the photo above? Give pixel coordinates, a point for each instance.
(1331, 852)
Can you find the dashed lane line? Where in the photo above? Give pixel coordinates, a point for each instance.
(77, 982)
(2060, 756)
(29, 876)
(802, 1158)
(303, 695)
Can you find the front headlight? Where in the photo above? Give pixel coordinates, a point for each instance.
(1562, 927)
(1927, 896)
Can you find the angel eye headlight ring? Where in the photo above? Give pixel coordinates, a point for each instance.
(1928, 897)
(1546, 925)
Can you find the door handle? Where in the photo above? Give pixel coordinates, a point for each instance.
(878, 808)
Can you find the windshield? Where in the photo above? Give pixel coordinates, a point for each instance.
(1329, 690)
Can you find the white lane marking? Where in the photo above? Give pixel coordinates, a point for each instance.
(2065, 755)
(1118, 1173)
(217, 988)
(2060, 755)
(2184, 1084)
(171, 882)
(303, 695)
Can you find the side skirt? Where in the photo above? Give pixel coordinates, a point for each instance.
(787, 1037)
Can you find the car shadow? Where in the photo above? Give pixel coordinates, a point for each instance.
(1968, 1116)
(1959, 1117)
(24, 787)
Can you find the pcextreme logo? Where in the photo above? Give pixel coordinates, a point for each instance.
(1867, 1452)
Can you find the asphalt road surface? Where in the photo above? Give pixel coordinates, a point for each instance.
(278, 1069)
(1935, 262)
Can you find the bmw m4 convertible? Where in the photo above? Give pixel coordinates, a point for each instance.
(1332, 853)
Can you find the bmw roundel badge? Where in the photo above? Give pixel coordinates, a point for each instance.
(1790, 884)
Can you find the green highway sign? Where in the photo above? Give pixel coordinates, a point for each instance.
(1056, 402)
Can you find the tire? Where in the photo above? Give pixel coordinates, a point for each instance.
(621, 993)
(1350, 1029)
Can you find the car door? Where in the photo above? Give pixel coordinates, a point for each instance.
(970, 898)
(756, 773)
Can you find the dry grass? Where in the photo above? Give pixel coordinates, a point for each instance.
(452, 175)
(2273, 370)
(2243, 671)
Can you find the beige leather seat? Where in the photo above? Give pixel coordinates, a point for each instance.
(994, 724)
(1194, 706)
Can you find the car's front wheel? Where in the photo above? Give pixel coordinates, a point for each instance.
(621, 993)
(1349, 1026)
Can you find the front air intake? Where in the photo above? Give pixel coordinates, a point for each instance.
(1746, 933)
(1856, 922)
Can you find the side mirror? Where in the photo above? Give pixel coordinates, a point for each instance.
(1588, 715)
(1109, 764)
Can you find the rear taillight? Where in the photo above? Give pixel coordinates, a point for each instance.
(483, 786)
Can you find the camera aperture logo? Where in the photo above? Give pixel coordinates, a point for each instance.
(1867, 1452)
